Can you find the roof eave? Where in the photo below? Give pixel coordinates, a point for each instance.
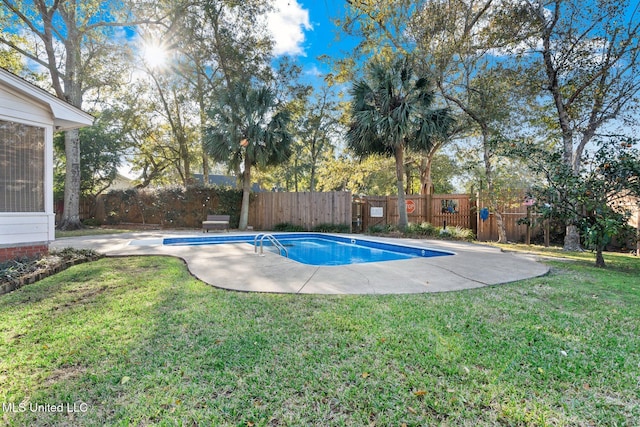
(65, 116)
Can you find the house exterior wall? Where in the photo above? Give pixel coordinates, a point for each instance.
(28, 233)
(17, 108)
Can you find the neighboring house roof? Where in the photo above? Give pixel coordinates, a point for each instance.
(633, 205)
(65, 116)
(121, 182)
(224, 181)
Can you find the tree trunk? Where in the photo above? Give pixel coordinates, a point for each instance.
(572, 236)
(246, 192)
(502, 231)
(638, 234)
(295, 174)
(205, 167)
(426, 183)
(599, 257)
(493, 203)
(186, 161)
(572, 239)
(403, 220)
(71, 211)
(407, 181)
(312, 178)
(203, 125)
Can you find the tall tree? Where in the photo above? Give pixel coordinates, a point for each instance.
(249, 130)
(392, 110)
(215, 43)
(450, 40)
(148, 145)
(373, 175)
(173, 105)
(101, 154)
(316, 126)
(455, 42)
(601, 195)
(586, 56)
(75, 41)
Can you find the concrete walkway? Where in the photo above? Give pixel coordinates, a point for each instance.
(237, 267)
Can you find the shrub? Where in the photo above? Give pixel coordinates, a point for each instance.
(460, 233)
(286, 226)
(381, 229)
(113, 218)
(456, 233)
(172, 206)
(92, 222)
(424, 229)
(445, 233)
(332, 228)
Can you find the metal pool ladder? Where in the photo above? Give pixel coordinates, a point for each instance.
(273, 241)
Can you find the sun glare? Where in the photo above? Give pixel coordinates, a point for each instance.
(155, 55)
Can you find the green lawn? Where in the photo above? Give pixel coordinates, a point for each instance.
(141, 342)
(90, 231)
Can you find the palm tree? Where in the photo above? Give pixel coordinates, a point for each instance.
(391, 111)
(248, 130)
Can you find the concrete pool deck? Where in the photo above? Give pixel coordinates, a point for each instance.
(237, 267)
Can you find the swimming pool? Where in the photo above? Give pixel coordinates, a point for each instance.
(321, 249)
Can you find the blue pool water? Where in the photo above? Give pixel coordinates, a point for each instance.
(321, 249)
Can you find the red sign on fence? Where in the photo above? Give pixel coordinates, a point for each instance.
(411, 206)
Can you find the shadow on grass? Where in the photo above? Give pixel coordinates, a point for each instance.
(141, 342)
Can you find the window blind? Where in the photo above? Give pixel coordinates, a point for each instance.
(21, 167)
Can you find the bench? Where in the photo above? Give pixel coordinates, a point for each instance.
(215, 222)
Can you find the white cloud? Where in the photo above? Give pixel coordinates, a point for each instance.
(313, 71)
(287, 25)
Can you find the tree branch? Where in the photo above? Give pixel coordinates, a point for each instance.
(24, 52)
(23, 17)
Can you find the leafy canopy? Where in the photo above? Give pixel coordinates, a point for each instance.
(251, 114)
(392, 108)
(599, 199)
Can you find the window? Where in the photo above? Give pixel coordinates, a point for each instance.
(21, 167)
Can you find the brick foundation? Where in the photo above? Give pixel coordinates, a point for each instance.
(23, 251)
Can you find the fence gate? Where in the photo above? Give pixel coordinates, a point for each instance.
(375, 212)
(437, 209)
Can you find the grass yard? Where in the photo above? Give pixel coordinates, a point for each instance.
(138, 341)
(91, 231)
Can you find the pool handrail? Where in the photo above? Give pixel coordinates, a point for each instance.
(273, 240)
(255, 242)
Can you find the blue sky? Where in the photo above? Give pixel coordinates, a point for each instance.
(303, 30)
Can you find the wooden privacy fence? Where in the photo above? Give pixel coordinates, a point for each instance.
(516, 232)
(87, 207)
(436, 209)
(513, 210)
(305, 209)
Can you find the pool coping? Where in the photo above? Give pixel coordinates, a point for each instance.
(237, 267)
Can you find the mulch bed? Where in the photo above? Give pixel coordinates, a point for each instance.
(19, 272)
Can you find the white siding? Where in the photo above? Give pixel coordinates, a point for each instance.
(26, 228)
(24, 103)
(32, 227)
(19, 108)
